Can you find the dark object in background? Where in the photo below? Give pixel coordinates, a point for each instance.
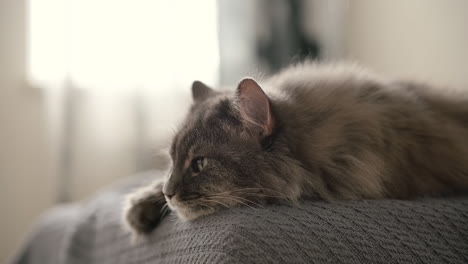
(261, 37)
(287, 41)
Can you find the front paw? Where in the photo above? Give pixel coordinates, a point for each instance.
(145, 208)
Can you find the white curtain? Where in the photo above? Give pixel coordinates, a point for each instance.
(118, 75)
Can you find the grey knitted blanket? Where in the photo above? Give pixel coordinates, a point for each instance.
(373, 231)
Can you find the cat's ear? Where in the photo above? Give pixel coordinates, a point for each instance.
(201, 91)
(254, 107)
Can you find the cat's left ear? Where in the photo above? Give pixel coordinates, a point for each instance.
(201, 91)
(254, 107)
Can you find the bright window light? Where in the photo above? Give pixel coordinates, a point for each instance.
(123, 44)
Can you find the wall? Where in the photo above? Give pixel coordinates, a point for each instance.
(27, 178)
(423, 39)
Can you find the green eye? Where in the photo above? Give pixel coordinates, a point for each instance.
(198, 164)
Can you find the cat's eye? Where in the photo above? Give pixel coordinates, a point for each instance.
(198, 164)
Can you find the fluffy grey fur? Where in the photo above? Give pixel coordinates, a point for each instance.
(313, 131)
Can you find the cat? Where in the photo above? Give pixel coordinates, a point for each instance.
(313, 131)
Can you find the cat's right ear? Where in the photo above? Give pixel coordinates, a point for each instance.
(201, 91)
(254, 107)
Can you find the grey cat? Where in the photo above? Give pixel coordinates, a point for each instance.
(313, 131)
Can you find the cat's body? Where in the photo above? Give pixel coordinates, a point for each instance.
(320, 132)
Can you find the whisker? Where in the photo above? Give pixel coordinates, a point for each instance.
(258, 188)
(158, 200)
(218, 202)
(264, 195)
(205, 205)
(245, 199)
(163, 208)
(238, 199)
(254, 192)
(258, 194)
(166, 211)
(173, 218)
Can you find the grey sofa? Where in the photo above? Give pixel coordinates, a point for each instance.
(430, 230)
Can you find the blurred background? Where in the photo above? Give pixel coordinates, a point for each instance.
(91, 90)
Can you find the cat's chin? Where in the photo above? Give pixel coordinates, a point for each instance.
(188, 213)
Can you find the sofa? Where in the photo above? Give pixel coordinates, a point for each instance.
(425, 230)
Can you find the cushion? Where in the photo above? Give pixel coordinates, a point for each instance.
(426, 230)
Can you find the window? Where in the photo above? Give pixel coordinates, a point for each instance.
(123, 44)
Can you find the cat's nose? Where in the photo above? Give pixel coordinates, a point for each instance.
(171, 185)
(168, 190)
(169, 195)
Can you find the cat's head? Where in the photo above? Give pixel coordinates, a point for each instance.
(221, 156)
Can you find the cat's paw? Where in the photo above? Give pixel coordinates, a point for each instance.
(144, 209)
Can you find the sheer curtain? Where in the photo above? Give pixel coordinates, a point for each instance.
(118, 75)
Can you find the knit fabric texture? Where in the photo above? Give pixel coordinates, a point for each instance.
(429, 230)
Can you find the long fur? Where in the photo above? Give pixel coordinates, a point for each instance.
(340, 132)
